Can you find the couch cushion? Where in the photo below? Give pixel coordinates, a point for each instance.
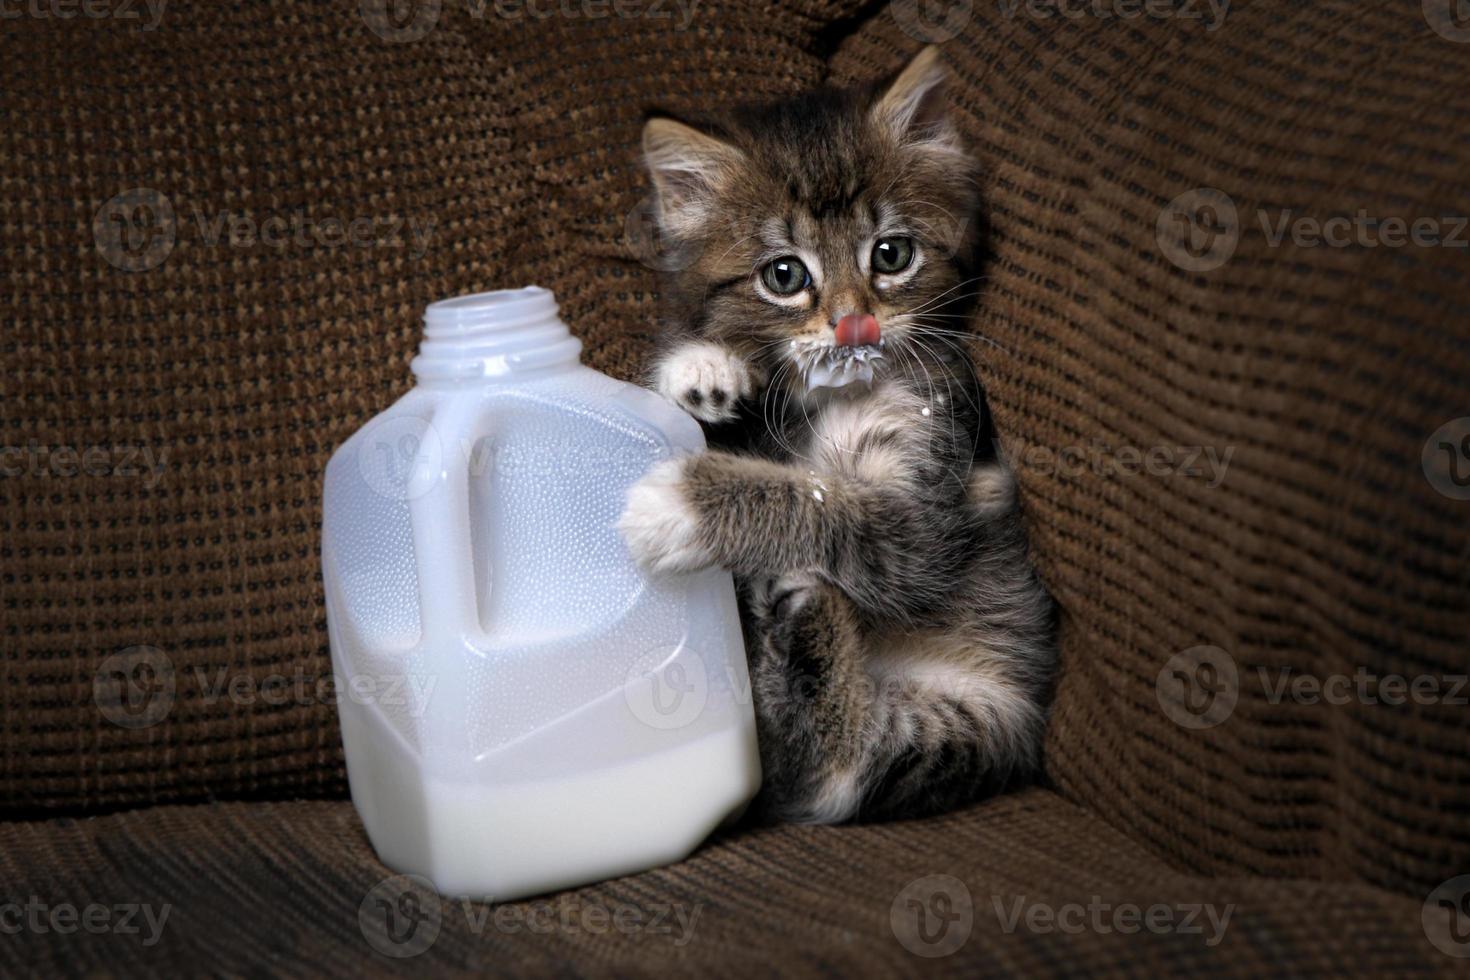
(209, 362)
(1311, 558)
(1025, 886)
(200, 372)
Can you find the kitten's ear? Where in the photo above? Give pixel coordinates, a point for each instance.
(688, 167)
(912, 109)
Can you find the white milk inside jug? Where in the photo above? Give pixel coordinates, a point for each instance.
(523, 709)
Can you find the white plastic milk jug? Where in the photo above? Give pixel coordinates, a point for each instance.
(522, 708)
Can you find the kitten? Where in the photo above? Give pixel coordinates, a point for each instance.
(900, 645)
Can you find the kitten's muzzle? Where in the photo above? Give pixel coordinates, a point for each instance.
(857, 330)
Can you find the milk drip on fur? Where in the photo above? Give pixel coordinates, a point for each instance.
(522, 708)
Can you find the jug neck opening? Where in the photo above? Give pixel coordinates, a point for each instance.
(493, 336)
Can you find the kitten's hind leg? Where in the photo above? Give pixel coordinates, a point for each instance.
(853, 727)
(811, 697)
(945, 730)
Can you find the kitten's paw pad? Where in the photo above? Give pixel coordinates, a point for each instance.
(659, 526)
(706, 380)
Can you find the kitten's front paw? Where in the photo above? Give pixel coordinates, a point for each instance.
(660, 527)
(706, 380)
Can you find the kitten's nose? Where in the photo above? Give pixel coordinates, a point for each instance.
(857, 330)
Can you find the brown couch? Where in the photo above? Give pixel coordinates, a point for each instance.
(1229, 445)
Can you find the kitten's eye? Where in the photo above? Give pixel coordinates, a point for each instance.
(786, 276)
(892, 255)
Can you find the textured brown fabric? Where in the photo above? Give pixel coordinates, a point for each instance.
(1324, 370)
(244, 365)
(1325, 550)
(277, 888)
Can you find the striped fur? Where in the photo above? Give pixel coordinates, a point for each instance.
(900, 645)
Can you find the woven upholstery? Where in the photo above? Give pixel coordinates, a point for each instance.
(245, 365)
(279, 887)
(1325, 550)
(509, 146)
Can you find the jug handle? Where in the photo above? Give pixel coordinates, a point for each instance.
(439, 514)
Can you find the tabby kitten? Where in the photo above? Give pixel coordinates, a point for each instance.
(900, 645)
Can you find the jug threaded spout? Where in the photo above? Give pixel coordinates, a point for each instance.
(483, 336)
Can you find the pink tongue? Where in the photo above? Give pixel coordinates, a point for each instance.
(857, 330)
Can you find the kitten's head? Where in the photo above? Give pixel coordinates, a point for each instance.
(823, 229)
